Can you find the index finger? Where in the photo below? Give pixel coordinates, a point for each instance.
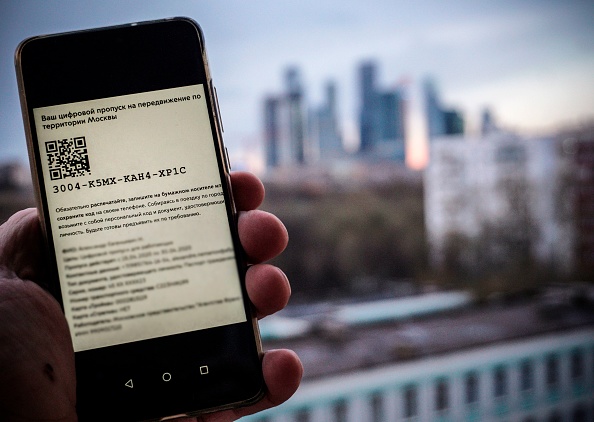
(248, 190)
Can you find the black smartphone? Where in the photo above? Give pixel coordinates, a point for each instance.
(133, 187)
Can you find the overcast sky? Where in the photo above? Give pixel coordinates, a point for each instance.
(532, 62)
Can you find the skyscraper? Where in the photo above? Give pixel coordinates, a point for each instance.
(433, 110)
(272, 131)
(440, 120)
(284, 124)
(390, 126)
(324, 133)
(368, 111)
(488, 124)
(382, 116)
(296, 122)
(454, 122)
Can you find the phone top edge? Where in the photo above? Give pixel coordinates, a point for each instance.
(184, 19)
(141, 37)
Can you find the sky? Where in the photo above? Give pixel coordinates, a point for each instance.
(531, 62)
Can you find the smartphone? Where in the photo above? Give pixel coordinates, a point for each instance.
(132, 180)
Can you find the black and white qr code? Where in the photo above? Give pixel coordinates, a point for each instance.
(67, 158)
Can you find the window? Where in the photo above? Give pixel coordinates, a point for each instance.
(472, 388)
(377, 408)
(340, 411)
(500, 382)
(302, 415)
(511, 154)
(577, 365)
(555, 417)
(441, 395)
(526, 376)
(579, 414)
(552, 371)
(410, 402)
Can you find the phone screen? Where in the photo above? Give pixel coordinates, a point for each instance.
(138, 216)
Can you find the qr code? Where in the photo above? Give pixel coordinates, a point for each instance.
(67, 158)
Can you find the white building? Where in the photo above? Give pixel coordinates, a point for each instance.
(548, 378)
(470, 364)
(498, 185)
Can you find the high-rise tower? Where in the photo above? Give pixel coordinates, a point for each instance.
(440, 121)
(284, 124)
(368, 111)
(382, 118)
(324, 133)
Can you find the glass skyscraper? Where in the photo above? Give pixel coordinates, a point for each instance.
(440, 121)
(284, 124)
(381, 118)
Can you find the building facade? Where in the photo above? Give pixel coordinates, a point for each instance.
(478, 369)
(498, 190)
(549, 378)
(581, 147)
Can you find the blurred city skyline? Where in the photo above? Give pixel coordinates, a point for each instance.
(530, 62)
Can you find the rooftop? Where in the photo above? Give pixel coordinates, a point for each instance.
(336, 339)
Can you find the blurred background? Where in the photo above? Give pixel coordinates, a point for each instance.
(434, 165)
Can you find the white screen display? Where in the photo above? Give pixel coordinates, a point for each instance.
(138, 218)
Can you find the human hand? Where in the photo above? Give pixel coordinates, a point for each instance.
(37, 376)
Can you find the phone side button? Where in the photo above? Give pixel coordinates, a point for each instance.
(216, 97)
(227, 159)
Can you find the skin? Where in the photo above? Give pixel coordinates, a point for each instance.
(37, 376)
